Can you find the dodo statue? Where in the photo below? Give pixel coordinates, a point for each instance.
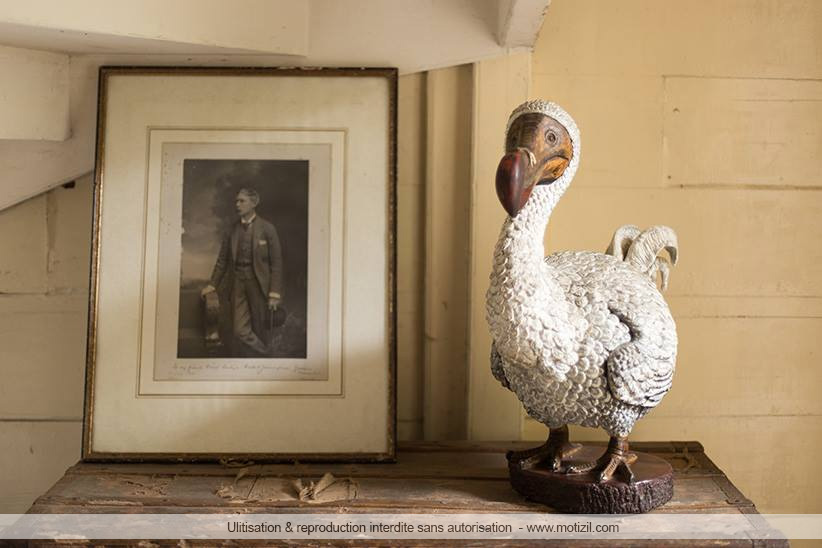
(580, 337)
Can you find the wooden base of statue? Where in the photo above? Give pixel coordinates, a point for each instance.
(653, 486)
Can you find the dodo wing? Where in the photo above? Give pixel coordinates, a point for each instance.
(641, 370)
(639, 381)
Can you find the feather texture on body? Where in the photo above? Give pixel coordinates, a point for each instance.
(580, 337)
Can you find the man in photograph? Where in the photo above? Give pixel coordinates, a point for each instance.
(250, 265)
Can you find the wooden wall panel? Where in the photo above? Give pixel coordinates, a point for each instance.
(739, 365)
(447, 226)
(727, 38)
(23, 248)
(44, 347)
(43, 305)
(69, 215)
(34, 455)
(410, 253)
(733, 242)
(634, 107)
(743, 131)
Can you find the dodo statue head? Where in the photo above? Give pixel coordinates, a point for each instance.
(542, 147)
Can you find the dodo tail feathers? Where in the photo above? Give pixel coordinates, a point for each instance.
(641, 249)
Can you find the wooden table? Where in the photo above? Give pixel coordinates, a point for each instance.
(445, 477)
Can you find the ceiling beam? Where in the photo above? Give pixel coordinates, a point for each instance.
(31, 167)
(34, 103)
(157, 26)
(412, 36)
(519, 22)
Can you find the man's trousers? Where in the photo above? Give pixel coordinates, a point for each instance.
(250, 306)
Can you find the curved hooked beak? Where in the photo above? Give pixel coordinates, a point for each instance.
(519, 172)
(513, 190)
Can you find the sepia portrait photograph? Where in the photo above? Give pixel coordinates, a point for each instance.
(244, 259)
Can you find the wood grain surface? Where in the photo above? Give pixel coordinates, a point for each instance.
(429, 477)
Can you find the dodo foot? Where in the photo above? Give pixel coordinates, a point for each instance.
(550, 454)
(616, 459)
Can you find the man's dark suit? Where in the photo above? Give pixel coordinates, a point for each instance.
(251, 283)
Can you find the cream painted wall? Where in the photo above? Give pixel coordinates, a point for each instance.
(44, 253)
(705, 115)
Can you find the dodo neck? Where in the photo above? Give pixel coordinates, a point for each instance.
(522, 236)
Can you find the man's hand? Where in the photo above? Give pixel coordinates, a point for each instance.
(206, 290)
(273, 303)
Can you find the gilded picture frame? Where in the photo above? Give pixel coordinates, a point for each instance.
(243, 279)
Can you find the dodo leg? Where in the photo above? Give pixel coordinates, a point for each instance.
(550, 454)
(616, 459)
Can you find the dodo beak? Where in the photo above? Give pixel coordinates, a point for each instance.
(513, 190)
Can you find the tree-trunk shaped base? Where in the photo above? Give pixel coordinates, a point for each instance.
(582, 494)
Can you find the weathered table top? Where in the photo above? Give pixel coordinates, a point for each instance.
(441, 477)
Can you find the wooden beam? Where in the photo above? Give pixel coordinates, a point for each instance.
(519, 22)
(448, 176)
(499, 86)
(34, 104)
(181, 26)
(32, 167)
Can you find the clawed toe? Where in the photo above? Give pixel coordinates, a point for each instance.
(556, 455)
(549, 455)
(616, 460)
(523, 457)
(618, 464)
(581, 468)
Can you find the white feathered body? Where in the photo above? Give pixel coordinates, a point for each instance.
(581, 337)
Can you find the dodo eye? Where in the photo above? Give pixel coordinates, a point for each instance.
(550, 136)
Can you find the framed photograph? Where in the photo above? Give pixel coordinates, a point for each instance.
(243, 266)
